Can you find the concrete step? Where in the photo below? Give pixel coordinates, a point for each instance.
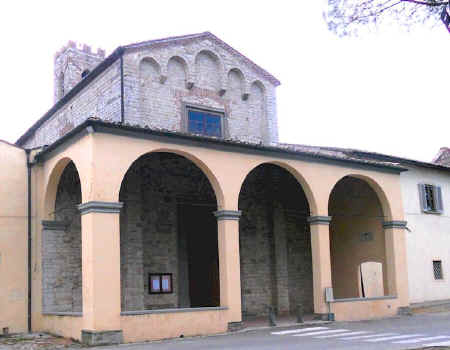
(431, 306)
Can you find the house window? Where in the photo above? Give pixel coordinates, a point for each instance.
(431, 198)
(160, 283)
(437, 270)
(204, 122)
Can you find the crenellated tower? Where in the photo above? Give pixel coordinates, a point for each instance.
(72, 63)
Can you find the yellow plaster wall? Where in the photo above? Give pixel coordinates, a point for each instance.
(102, 161)
(172, 325)
(13, 238)
(353, 214)
(365, 309)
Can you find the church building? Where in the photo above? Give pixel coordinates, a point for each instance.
(154, 200)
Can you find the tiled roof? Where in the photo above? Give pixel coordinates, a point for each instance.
(308, 152)
(354, 154)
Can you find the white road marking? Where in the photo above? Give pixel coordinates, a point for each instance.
(394, 337)
(300, 330)
(419, 340)
(321, 332)
(369, 336)
(447, 343)
(340, 335)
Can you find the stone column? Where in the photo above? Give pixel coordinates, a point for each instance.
(321, 261)
(229, 264)
(101, 272)
(396, 261)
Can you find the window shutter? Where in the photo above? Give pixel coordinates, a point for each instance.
(438, 199)
(423, 203)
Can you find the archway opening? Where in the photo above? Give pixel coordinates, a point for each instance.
(168, 235)
(357, 242)
(61, 248)
(275, 244)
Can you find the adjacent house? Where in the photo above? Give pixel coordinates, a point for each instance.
(154, 200)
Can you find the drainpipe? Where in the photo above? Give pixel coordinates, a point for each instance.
(27, 151)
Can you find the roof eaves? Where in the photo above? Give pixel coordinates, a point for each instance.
(211, 140)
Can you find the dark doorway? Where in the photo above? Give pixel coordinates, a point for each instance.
(198, 240)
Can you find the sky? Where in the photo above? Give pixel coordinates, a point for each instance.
(384, 92)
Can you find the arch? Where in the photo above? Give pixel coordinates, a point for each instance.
(149, 68)
(356, 234)
(374, 185)
(51, 187)
(258, 91)
(300, 179)
(236, 84)
(275, 241)
(177, 71)
(208, 68)
(62, 253)
(167, 226)
(195, 160)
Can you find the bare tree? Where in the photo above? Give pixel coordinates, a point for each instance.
(349, 17)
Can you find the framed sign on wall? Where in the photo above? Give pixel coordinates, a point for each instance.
(160, 283)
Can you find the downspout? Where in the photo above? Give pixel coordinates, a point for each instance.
(27, 151)
(122, 106)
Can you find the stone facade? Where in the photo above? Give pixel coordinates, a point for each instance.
(101, 99)
(159, 81)
(275, 244)
(61, 249)
(151, 242)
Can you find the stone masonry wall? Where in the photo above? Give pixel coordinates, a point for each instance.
(160, 81)
(151, 192)
(62, 278)
(100, 99)
(275, 245)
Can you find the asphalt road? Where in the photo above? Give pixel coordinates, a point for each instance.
(407, 332)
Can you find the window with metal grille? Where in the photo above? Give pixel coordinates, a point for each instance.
(204, 122)
(437, 270)
(431, 198)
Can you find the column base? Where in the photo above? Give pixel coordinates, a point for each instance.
(404, 311)
(324, 317)
(94, 338)
(235, 326)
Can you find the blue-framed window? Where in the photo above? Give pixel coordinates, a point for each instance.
(204, 122)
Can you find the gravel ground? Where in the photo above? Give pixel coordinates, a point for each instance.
(36, 341)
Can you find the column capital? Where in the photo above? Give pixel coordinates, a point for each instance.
(54, 225)
(100, 207)
(395, 224)
(228, 214)
(319, 220)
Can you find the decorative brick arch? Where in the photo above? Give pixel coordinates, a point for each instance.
(213, 56)
(236, 77)
(182, 62)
